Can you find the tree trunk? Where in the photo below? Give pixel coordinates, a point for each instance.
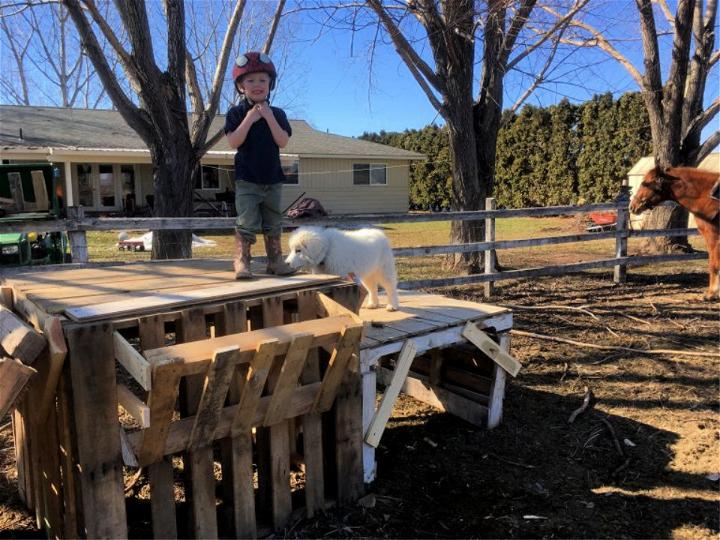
(665, 217)
(173, 170)
(468, 193)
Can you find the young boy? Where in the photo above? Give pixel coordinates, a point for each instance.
(257, 131)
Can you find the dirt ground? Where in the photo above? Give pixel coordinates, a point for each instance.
(641, 462)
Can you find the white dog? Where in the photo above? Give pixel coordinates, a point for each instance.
(365, 253)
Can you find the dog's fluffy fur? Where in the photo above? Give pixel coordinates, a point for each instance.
(365, 253)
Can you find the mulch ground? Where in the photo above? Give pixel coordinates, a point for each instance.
(641, 461)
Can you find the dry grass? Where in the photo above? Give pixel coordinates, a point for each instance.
(102, 246)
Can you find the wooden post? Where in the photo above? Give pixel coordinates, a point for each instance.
(497, 388)
(490, 204)
(94, 391)
(348, 416)
(621, 228)
(78, 240)
(160, 473)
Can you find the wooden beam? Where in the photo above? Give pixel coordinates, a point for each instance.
(134, 362)
(14, 375)
(18, 339)
(195, 356)
(402, 366)
(134, 406)
(49, 377)
(418, 387)
(494, 351)
(327, 307)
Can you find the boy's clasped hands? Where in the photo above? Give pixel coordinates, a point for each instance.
(260, 110)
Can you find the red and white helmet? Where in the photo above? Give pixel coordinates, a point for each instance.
(254, 62)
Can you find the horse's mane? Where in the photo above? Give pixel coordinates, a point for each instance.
(692, 174)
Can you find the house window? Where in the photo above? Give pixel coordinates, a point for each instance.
(373, 174)
(210, 178)
(107, 186)
(291, 168)
(127, 174)
(85, 187)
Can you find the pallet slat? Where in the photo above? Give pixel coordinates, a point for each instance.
(215, 389)
(288, 380)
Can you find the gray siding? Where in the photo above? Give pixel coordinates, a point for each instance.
(331, 182)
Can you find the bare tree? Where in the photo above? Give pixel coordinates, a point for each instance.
(452, 28)
(47, 65)
(157, 110)
(675, 107)
(14, 80)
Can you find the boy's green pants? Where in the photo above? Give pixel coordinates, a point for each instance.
(258, 209)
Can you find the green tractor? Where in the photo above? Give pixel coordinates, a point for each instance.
(28, 191)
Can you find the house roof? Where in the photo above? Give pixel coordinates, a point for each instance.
(644, 164)
(28, 128)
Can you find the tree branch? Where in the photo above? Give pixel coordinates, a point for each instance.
(273, 27)
(540, 76)
(212, 141)
(201, 125)
(128, 66)
(132, 115)
(699, 122)
(677, 76)
(517, 24)
(560, 25)
(175, 14)
(707, 147)
(666, 10)
(138, 31)
(404, 49)
(598, 40)
(651, 80)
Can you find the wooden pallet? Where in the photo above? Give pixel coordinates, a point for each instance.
(226, 393)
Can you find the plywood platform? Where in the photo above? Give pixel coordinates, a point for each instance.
(422, 314)
(111, 292)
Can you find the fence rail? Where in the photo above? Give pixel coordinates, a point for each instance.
(78, 224)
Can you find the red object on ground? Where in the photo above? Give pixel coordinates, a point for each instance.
(601, 221)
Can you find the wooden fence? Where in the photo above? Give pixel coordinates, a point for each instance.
(77, 224)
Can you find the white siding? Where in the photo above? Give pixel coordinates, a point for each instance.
(331, 182)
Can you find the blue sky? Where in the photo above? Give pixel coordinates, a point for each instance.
(331, 85)
(327, 80)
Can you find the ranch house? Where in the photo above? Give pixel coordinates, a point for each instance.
(105, 167)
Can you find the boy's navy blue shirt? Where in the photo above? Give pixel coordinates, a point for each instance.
(257, 160)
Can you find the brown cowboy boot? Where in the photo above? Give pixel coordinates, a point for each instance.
(241, 263)
(276, 265)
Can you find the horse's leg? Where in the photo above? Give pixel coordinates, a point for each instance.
(713, 292)
(712, 241)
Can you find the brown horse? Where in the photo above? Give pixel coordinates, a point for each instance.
(697, 191)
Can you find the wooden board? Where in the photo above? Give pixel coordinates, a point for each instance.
(40, 189)
(18, 339)
(377, 426)
(14, 375)
(494, 351)
(167, 300)
(195, 355)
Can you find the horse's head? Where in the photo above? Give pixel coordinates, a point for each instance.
(654, 189)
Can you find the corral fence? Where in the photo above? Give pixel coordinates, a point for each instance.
(77, 224)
